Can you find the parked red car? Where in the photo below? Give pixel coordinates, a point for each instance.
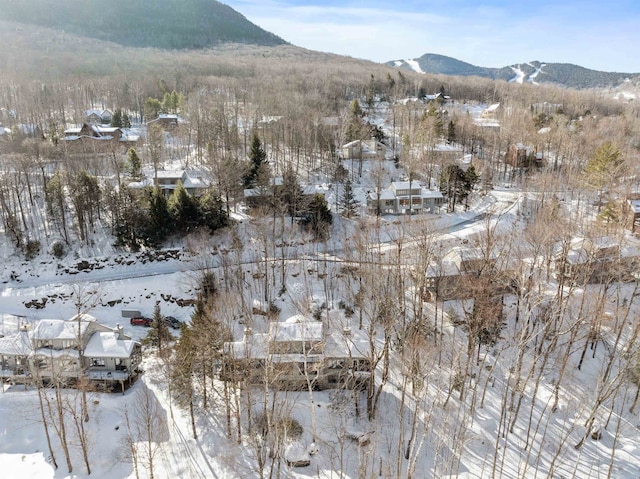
(141, 321)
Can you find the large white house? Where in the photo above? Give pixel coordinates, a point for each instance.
(63, 351)
(195, 182)
(298, 353)
(403, 198)
(363, 150)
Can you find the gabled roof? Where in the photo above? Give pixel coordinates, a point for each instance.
(58, 329)
(100, 113)
(296, 330)
(405, 185)
(108, 345)
(16, 345)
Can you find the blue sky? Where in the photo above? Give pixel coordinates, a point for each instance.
(595, 34)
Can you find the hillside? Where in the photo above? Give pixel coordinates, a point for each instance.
(167, 24)
(564, 74)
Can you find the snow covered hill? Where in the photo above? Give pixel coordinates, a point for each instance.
(533, 72)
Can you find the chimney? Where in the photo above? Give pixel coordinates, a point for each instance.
(120, 330)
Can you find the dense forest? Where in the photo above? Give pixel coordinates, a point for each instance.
(169, 24)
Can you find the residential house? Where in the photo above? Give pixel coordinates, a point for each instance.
(633, 205)
(262, 196)
(403, 197)
(363, 150)
(491, 112)
(14, 356)
(95, 141)
(195, 182)
(66, 350)
(596, 260)
(521, 156)
(97, 117)
(457, 274)
(168, 121)
(296, 354)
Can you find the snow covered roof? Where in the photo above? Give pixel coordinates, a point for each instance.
(583, 250)
(56, 353)
(251, 346)
(493, 107)
(634, 205)
(58, 329)
(108, 345)
(431, 193)
(344, 346)
(303, 330)
(171, 174)
(405, 185)
(100, 113)
(16, 345)
(459, 254)
(385, 194)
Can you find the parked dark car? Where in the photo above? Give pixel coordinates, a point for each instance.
(174, 323)
(141, 321)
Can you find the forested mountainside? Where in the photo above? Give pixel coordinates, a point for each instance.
(565, 74)
(168, 24)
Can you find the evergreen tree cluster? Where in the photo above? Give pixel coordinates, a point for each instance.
(456, 184)
(120, 119)
(148, 219)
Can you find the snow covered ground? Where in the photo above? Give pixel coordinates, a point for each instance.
(450, 439)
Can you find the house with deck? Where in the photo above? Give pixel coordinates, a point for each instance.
(456, 275)
(596, 260)
(403, 198)
(363, 150)
(64, 351)
(195, 182)
(296, 354)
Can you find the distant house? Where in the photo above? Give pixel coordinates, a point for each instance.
(633, 206)
(402, 197)
(297, 352)
(454, 277)
(97, 117)
(491, 112)
(93, 131)
(168, 121)
(596, 260)
(96, 141)
(363, 150)
(195, 182)
(261, 196)
(66, 350)
(521, 156)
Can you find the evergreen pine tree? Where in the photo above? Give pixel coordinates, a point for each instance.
(158, 222)
(451, 132)
(116, 118)
(212, 214)
(318, 217)
(184, 209)
(134, 164)
(258, 157)
(348, 203)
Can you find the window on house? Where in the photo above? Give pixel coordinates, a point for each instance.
(98, 363)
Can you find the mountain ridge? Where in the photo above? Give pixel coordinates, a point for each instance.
(166, 24)
(535, 72)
